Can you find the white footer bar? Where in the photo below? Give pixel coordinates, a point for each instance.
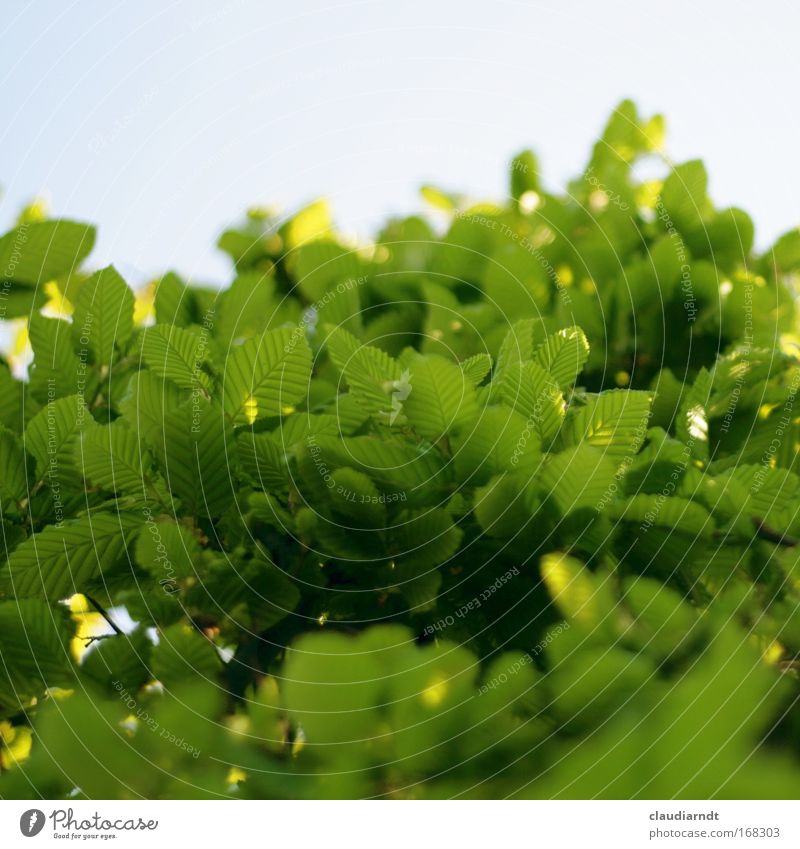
(403, 825)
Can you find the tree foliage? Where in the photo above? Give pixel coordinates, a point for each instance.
(503, 509)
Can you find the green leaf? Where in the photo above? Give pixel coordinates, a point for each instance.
(582, 597)
(501, 507)
(192, 454)
(518, 344)
(563, 355)
(13, 470)
(626, 135)
(664, 534)
(248, 307)
(685, 197)
(267, 375)
(56, 370)
(769, 494)
(421, 540)
(578, 478)
(440, 398)
(168, 551)
(438, 198)
(178, 355)
(729, 236)
(12, 412)
(35, 651)
(498, 440)
(356, 499)
(321, 266)
(514, 283)
(257, 590)
(310, 224)
(665, 623)
(397, 467)
(614, 422)
(371, 374)
(103, 319)
(476, 368)
(302, 426)
(61, 560)
(533, 392)
(42, 250)
(263, 460)
(52, 431)
(181, 653)
(349, 414)
(21, 300)
(785, 253)
(691, 425)
(173, 301)
(524, 174)
(112, 457)
(351, 679)
(147, 400)
(120, 662)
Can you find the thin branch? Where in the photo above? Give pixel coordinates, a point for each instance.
(771, 535)
(104, 613)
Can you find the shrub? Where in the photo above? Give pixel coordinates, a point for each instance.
(505, 511)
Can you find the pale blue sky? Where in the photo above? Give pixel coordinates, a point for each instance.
(161, 121)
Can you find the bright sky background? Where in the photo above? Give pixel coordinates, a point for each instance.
(162, 121)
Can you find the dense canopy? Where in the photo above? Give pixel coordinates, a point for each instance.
(501, 503)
